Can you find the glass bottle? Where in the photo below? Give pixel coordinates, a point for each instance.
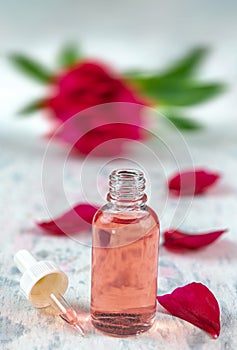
(124, 258)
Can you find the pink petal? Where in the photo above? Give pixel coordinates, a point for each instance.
(75, 220)
(196, 304)
(174, 239)
(192, 182)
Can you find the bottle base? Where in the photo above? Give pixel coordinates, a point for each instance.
(122, 324)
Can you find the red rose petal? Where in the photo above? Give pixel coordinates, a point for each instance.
(174, 239)
(192, 182)
(75, 220)
(196, 304)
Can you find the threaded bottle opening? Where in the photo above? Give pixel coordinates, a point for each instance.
(126, 185)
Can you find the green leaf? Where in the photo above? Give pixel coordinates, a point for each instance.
(31, 67)
(182, 69)
(182, 122)
(187, 65)
(178, 93)
(32, 107)
(69, 55)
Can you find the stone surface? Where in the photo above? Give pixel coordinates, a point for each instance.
(28, 192)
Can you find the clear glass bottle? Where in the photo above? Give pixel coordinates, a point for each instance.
(124, 258)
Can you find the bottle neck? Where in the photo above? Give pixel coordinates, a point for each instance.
(126, 188)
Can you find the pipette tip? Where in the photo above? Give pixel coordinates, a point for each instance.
(70, 316)
(79, 329)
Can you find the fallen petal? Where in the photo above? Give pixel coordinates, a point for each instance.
(192, 182)
(174, 239)
(196, 304)
(75, 220)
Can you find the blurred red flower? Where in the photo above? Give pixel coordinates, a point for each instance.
(90, 84)
(84, 85)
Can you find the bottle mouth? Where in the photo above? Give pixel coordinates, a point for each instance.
(127, 174)
(126, 185)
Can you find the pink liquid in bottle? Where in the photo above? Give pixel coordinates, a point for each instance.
(124, 266)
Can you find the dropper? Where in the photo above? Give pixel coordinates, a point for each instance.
(44, 284)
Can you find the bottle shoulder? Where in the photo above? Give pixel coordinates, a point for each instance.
(108, 214)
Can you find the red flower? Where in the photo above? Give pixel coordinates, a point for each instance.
(90, 84)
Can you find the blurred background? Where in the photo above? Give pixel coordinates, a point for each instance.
(133, 34)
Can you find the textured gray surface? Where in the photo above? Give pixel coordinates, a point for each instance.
(22, 202)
